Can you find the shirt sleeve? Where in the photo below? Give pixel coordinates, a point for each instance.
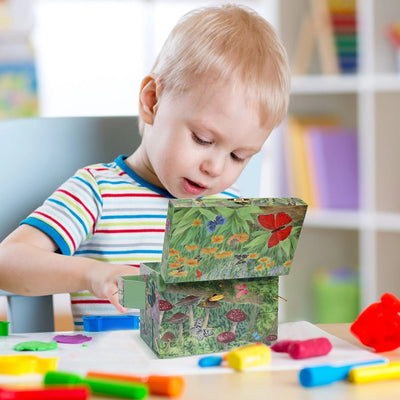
(69, 216)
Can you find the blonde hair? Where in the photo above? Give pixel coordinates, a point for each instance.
(228, 41)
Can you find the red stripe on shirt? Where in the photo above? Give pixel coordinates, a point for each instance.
(61, 226)
(81, 203)
(95, 169)
(128, 230)
(131, 195)
(90, 301)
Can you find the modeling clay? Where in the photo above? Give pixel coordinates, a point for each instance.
(378, 325)
(112, 387)
(325, 374)
(250, 355)
(4, 328)
(375, 373)
(72, 339)
(35, 345)
(158, 384)
(210, 361)
(300, 349)
(25, 364)
(59, 393)
(281, 346)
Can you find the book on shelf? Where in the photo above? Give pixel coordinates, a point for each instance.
(344, 22)
(19, 94)
(330, 26)
(296, 156)
(333, 153)
(18, 74)
(5, 19)
(321, 163)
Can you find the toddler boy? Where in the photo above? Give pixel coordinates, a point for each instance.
(218, 87)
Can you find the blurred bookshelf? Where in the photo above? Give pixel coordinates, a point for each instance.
(364, 99)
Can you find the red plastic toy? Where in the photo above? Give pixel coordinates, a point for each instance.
(378, 326)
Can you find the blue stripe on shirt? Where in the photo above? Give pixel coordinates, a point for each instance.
(124, 216)
(50, 231)
(80, 220)
(91, 188)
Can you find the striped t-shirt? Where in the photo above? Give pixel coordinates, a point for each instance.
(108, 213)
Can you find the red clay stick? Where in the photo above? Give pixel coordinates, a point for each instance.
(282, 346)
(300, 349)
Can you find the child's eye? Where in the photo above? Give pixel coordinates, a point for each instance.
(235, 157)
(199, 140)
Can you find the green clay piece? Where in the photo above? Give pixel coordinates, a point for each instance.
(4, 328)
(35, 345)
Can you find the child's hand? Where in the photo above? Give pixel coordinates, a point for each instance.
(102, 281)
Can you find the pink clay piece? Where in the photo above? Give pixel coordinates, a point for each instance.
(300, 349)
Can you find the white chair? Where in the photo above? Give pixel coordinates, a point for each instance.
(39, 154)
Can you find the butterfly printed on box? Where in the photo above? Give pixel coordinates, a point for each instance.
(241, 258)
(212, 224)
(199, 274)
(242, 291)
(199, 331)
(279, 225)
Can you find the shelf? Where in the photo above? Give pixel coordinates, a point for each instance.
(9, 33)
(334, 219)
(325, 84)
(318, 84)
(368, 102)
(389, 222)
(387, 82)
(358, 220)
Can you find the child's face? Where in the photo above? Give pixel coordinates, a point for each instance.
(200, 141)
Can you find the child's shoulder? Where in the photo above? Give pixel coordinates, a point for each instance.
(102, 171)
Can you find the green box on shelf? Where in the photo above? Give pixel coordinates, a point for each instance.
(217, 285)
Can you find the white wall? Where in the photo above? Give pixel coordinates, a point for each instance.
(91, 55)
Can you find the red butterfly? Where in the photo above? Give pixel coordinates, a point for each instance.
(198, 273)
(277, 226)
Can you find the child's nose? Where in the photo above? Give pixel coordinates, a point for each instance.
(213, 166)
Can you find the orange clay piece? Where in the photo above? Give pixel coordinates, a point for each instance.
(161, 385)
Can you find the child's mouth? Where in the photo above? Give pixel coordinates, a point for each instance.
(193, 188)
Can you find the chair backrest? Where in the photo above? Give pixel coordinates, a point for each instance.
(39, 154)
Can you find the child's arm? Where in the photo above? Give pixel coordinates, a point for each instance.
(30, 266)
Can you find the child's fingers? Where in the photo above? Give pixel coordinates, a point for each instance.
(114, 301)
(113, 290)
(112, 295)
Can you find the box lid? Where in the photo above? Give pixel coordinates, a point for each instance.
(209, 239)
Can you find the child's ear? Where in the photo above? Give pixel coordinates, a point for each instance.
(148, 98)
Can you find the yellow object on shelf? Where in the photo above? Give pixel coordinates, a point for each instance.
(25, 364)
